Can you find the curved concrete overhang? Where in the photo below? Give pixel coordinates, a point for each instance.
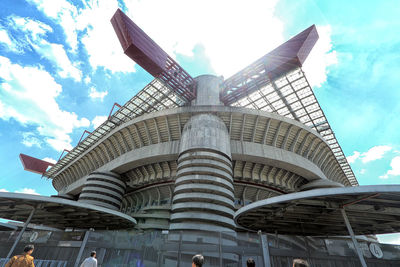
(7, 227)
(276, 157)
(320, 184)
(123, 161)
(61, 213)
(145, 155)
(202, 109)
(372, 209)
(245, 151)
(215, 110)
(130, 160)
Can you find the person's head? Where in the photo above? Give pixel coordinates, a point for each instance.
(300, 263)
(93, 254)
(250, 262)
(197, 260)
(28, 249)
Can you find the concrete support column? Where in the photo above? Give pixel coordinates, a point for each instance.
(103, 189)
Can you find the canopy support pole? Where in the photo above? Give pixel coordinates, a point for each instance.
(83, 245)
(21, 233)
(265, 249)
(358, 250)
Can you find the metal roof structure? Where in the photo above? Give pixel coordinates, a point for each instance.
(61, 213)
(274, 83)
(153, 97)
(33, 164)
(281, 60)
(291, 96)
(370, 210)
(143, 50)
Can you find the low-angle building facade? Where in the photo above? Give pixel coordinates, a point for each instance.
(184, 154)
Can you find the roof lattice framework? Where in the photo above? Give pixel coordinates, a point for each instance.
(153, 97)
(291, 96)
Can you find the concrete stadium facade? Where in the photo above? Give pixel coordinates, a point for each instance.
(192, 167)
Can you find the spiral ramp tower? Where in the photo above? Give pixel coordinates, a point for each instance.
(104, 189)
(204, 195)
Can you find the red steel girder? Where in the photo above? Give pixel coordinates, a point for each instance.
(286, 57)
(115, 105)
(150, 56)
(34, 164)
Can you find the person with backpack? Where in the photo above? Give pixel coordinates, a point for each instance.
(24, 260)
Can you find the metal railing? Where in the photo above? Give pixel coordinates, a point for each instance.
(40, 263)
(167, 249)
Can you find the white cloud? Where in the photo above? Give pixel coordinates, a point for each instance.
(352, 158)
(96, 94)
(4, 38)
(64, 13)
(35, 28)
(87, 80)
(100, 40)
(98, 120)
(33, 92)
(321, 57)
(362, 171)
(374, 153)
(23, 191)
(59, 144)
(27, 191)
(56, 54)
(29, 139)
(233, 41)
(34, 33)
(234, 33)
(8, 41)
(93, 22)
(395, 171)
(51, 160)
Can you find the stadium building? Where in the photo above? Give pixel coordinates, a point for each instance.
(179, 163)
(185, 154)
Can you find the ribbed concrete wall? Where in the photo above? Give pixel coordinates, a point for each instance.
(203, 195)
(104, 189)
(259, 128)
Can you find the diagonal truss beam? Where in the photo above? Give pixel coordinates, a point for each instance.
(284, 58)
(144, 51)
(153, 97)
(291, 96)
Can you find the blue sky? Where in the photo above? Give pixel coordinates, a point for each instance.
(62, 68)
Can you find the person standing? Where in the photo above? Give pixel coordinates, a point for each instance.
(197, 260)
(24, 260)
(300, 263)
(250, 262)
(90, 261)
